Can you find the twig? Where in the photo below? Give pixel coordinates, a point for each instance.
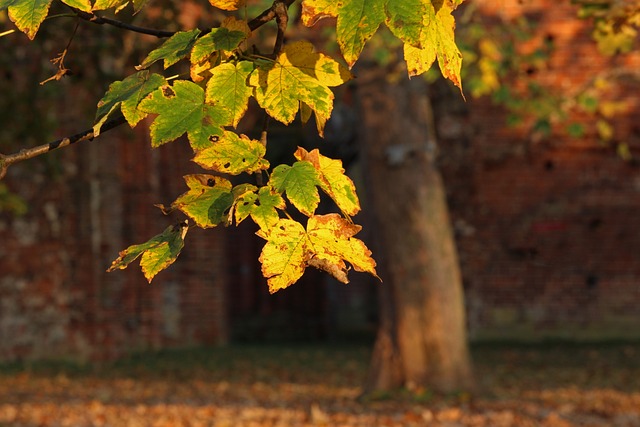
(263, 141)
(282, 19)
(268, 14)
(59, 60)
(25, 154)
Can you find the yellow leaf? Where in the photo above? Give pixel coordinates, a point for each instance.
(227, 4)
(315, 10)
(436, 41)
(297, 74)
(233, 24)
(327, 244)
(605, 130)
(283, 257)
(333, 181)
(331, 237)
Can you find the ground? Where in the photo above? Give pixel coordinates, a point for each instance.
(300, 385)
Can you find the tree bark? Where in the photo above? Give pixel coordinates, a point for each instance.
(422, 341)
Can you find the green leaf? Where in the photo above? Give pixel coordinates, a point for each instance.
(157, 254)
(28, 15)
(262, 206)
(299, 182)
(228, 86)
(126, 95)
(333, 181)
(358, 20)
(174, 49)
(6, 3)
(404, 19)
(233, 154)
(217, 39)
(208, 200)
(181, 108)
(298, 74)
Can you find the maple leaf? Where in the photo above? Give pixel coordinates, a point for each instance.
(425, 26)
(299, 182)
(181, 108)
(298, 74)
(233, 154)
(157, 254)
(261, 206)
(327, 243)
(28, 14)
(333, 181)
(174, 49)
(228, 86)
(218, 39)
(436, 40)
(126, 95)
(358, 20)
(207, 202)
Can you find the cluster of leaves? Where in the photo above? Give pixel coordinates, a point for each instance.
(616, 23)
(226, 70)
(496, 67)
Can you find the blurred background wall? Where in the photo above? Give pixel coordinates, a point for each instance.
(545, 206)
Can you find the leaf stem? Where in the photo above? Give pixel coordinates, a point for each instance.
(7, 160)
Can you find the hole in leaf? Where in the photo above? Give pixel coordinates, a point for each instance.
(226, 165)
(211, 182)
(168, 92)
(214, 138)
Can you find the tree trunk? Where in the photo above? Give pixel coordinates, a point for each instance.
(422, 341)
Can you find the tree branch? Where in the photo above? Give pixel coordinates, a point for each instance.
(25, 154)
(277, 11)
(254, 24)
(101, 20)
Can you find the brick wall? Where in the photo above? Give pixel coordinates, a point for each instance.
(56, 298)
(548, 229)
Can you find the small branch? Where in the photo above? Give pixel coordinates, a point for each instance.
(25, 154)
(101, 20)
(268, 14)
(282, 19)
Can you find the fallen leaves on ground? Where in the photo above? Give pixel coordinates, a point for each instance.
(319, 386)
